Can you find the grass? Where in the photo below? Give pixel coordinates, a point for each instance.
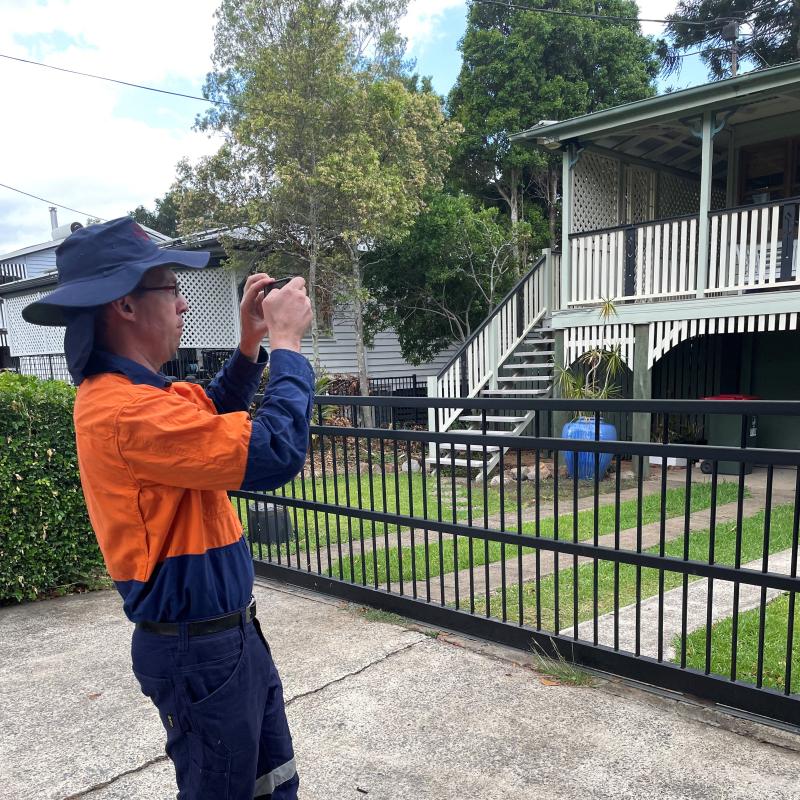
(564, 672)
(408, 561)
(775, 638)
(544, 599)
(398, 494)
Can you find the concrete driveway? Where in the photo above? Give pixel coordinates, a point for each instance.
(378, 711)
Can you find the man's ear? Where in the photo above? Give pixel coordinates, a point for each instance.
(123, 307)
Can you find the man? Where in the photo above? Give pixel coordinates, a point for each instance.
(156, 459)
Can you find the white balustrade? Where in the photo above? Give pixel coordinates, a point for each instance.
(494, 341)
(747, 248)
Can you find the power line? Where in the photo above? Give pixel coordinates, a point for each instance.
(115, 80)
(587, 15)
(51, 202)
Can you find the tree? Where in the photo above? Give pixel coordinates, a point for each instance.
(282, 72)
(521, 67)
(770, 32)
(397, 151)
(328, 142)
(164, 218)
(440, 281)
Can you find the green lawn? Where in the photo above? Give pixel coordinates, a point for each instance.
(409, 561)
(775, 635)
(725, 543)
(392, 494)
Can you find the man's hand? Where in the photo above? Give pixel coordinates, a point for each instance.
(288, 314)
(284, 315)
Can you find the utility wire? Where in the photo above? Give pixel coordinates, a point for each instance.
(51, 202)
(115, 80)
(586, 15)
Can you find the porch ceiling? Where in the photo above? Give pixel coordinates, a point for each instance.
(660, 129)
(673, 143)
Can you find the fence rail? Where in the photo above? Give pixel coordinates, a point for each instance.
(685, 579)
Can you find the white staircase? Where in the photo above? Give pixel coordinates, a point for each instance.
(510, 356)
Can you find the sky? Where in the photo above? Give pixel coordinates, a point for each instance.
(104, 149)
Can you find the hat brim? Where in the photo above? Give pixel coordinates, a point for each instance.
(58, 307)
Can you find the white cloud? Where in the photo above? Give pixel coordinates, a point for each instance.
(423, 17)
(655, 9)
(88, 144)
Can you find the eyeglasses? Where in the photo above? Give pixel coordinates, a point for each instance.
(169, 287)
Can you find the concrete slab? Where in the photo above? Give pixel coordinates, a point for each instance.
(73, 716)
(377, 711)
(672, 607)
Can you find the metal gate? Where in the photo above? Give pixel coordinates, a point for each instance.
(681, 573)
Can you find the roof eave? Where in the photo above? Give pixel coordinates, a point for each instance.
(720, 94)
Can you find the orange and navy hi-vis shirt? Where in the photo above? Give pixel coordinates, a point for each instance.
(156, 460)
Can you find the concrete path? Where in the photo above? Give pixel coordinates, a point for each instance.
(696, 611)
(377, 710)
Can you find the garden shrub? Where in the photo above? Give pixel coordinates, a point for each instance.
(46, 540)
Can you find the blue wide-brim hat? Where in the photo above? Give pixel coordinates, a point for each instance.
(101, 263)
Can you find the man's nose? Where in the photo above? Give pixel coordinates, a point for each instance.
(183, 306)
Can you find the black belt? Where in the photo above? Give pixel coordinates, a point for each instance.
(201, 627)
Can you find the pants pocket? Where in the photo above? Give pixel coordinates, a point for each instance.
(210, 770)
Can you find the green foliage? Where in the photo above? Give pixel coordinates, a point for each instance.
(164, 218)
(768, 37)
(520, 68)
(435, 285)
(46, 541)
(328, 141)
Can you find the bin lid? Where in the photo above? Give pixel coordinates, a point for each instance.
(732, 397)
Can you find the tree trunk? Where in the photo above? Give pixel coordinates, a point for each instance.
(312, 296)
(552, 194)
(367, 416)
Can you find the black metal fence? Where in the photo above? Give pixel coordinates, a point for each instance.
(49, 367)
(393, 415)
(200, 365)
(685, 578)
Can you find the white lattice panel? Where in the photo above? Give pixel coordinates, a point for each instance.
(595, 182)
(29, 340)
(211, 322)
(718, 198)
(639, 194)
(213, 317)
(677, 196)
(580, 339)
(663, 336)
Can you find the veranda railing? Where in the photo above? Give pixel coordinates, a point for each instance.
(750, 248)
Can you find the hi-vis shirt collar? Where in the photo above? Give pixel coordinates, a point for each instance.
(101, 361)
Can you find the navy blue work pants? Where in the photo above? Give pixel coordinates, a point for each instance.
(221, 703)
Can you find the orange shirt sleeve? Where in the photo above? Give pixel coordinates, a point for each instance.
(168, 439)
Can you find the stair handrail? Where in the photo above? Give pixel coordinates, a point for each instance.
(473, 365)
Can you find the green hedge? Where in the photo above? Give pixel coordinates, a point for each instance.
(46, 542)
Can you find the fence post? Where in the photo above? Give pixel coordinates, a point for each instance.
(494, 349)
(520, 298)
(431, 413)
(547, 280)
(642, 390)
